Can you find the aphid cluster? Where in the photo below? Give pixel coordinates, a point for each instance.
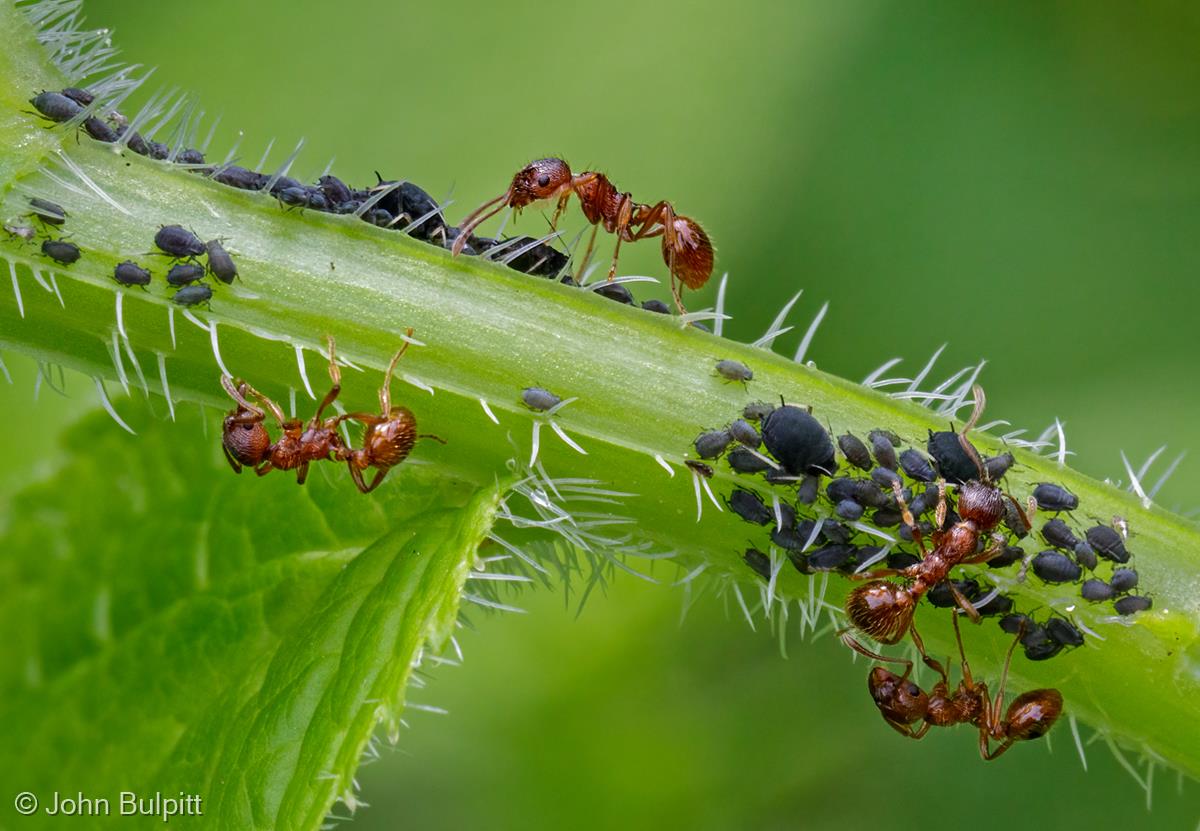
(387, 438)
(899, 521)
(686, 249)
(47, 215)
(400, 206)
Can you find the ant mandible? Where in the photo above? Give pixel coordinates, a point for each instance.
(389, 437)
(902, 704)
(686, 249)
(246, 443)
(884, 610)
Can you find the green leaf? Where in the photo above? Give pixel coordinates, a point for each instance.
(173, 628)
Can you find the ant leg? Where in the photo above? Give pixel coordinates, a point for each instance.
(909, 520)
(987, 754)
(233, 463)
(962, 654)
(932, 663)
(879, 572)
(624, 214)
(612, 269)
(558, 210)
(276, 410)
(237, 394)
(993, 548)
(480, 215)
(853, 642)
(302, 473)
(335, 375)
(940, 512)
(587, 255)
(264, 468)
(906, 729)
(963, 603)
(438, 439)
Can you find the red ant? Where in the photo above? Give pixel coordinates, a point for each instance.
(884, 610)
(686, 249)
(902, 704)
(246, 442)
(389, 437)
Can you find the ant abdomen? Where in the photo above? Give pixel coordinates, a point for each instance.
(691, 255)
(880, 609)
(1032, 714)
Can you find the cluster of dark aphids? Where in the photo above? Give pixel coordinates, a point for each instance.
(947, 510)
(49, 216)
(387, 438)
(400, 206)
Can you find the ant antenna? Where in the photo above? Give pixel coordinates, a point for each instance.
(968, 448)
(477, 218)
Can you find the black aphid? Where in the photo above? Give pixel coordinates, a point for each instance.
(916, 466)
(750, 507)
(1008, 555)
(538, 399)
(47, 211)
(1063, 632)
(130, 273)
(849, 510)
(841, 488)
(732, 370)
(55, 106)
(1056, 567)
(712, 443)
(220, 263)
(885, 477)
(82, 97)
(744, 461)
(1132, 603)
(1096, 590)
(1124, 580)
(614, 291)
(869, 493)
(951, 460)
(158, 150)
(1058, 534)
(656, 306)
(855, 451)
(193, 295)
(831, 557)
(997, 604)
(178, 241)
(758, 561)
(887, 517)
(335, 190)
(942, 597)
(240, 177)
(542, 260)
(902, 559)
(1085, 556)
(100, 130)
(190, 156)
(1015, 520)
(757, 410)
(1107, 543)
(1017, 624)
(883, 445)
(997, 466)
(1051, 497)
(181, 274)
(61, 251)
(806, 493)
(1044, 649)
(744, 433)
(798, 441)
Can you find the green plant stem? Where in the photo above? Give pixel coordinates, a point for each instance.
(645, 385)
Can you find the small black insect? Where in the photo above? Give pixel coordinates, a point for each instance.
(158, 150)
(750, 507)
(335, 190)
(712, 443)
(831, 557)
(178, 241)
(855, 451)
(841, 488)
(46, 211)
(1015, 520)
(82, 97)
(378, 216)
(61, 251)
(100, 130)
(1124, 580)
(130, 273)
(997, 466)
(190, 156)
(758, 561)
(55, 106)
(869, 493)
(798, 441)
(887, 518)
(656, 306)
(744, 433)
(1051, 497)
(757, 410)
(1009, 555)
(699, 468)
(1085, 556)
(744, 461)
(901, 560)
(848, 510)
(997, 604)
(916, 466)
(1096, 590)
(1056, 567)
(542, 260)
(806, 493)
(883, 445)
(538, 399)
(1062, 631)
(942, 597)
(1132, 603)
(614, 291)
(732, 370)
(181, 274)
(885, 478)
(220, 263)
(240, 177)
(1107, 543)
(1058, 534)
(301, 196)
(193, 295)
(1017, 624)
(951, 460)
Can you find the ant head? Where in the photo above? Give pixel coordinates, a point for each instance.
(981, 503)
(687, 250)
(881, 609)
(246, 440)
(1032, 714)
(898, 699)
(542, 179)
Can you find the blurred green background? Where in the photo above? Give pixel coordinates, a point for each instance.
(1019, 180)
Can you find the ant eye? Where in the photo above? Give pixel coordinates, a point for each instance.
(543, 180)
(247, 426)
